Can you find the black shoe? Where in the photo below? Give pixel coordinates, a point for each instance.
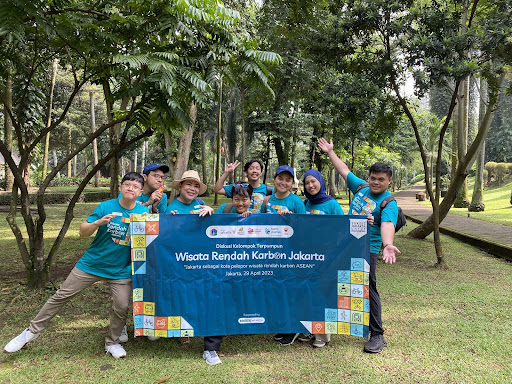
(375, 344)
(279, 336)
(288, 338)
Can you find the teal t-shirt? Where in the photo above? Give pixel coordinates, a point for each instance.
(221, 209)
(258, 194)
(143, 198)
(331, 207)
(162, 205)
(291, 203)
(109, 253)
(365, 202)
(193, 208)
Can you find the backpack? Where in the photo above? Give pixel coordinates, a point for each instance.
(227, 208)
(401, 221)
(269, 190)
(264, 204)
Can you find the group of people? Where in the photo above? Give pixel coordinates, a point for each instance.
(108, 257)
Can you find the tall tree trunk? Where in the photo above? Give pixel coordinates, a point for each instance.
(203, 158)
(280, 152)
(55, 160)
(267, 161)
(135, 165)
(143, 156)
(9, 177)
(184, 145)
(115, 137)
(332, 182)
(168, 147)
(95, 141)
(477, 200)
(53, 69)
(462, 200)
(70, 146)
(242, 122)
(219, 137)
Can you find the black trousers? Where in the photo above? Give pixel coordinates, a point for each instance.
(212, 343)
(375, 306)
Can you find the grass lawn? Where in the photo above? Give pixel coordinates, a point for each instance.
(442, 326)
(497, 204)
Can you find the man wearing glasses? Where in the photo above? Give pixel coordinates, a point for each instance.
(153, 195)
(108, 259)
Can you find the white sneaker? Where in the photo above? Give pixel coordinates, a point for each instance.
(319, 343)
(211, 357)
(123, 338)
(19, 341)
(153, 338)
(116, 350)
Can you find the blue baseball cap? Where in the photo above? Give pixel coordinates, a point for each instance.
(153, 167)
(285, 168)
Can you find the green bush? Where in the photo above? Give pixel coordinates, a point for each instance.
(501, 171)
(64, 181)
(490, 167)
(417, 178)
(60, 197)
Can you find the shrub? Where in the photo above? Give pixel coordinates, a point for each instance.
(60, 197)
(490, 167)
(417, 178)
(501, 171)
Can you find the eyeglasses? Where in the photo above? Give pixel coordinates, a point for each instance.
(157, 176)
(243, 185)
(133, 187)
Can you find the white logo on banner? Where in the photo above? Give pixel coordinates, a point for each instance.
(358, 227)
(249, 231)
(251, 320)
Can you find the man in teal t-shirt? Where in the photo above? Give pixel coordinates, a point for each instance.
(107, 259)
(367, 200)
(153, 194)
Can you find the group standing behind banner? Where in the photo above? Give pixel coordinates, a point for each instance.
(250, 197)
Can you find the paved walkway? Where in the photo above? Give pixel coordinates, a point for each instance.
(493, 238)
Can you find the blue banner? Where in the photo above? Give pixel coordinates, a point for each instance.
(224, 274)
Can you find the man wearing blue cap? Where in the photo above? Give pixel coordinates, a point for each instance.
(154, 185)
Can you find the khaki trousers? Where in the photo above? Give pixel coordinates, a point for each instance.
(76, 282)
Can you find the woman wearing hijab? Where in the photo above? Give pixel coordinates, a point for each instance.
(317, 200)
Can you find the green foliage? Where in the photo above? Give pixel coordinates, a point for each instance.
(60, 197)
(501, 170)
(417, 178)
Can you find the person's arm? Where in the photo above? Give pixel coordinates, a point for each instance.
(328, 148)
(387, 232)
(87, 229)
(218, 187)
